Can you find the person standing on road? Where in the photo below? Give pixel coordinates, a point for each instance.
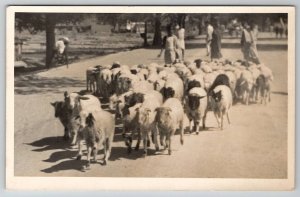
(253, 50)
(180, 42)
(246, 42)
(216, 41)
(169, 46)
(209, 32)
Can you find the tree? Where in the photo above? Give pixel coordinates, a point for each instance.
(45, 22)
(157, 40)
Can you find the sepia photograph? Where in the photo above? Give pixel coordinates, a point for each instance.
(150, 97)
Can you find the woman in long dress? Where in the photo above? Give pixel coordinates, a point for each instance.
(169, 45)
(253, 50)
(216, 42)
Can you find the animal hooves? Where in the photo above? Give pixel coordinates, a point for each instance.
(197, 133)
(157, 148)
(123, 135)
(136, 148)
(86, 167)
(104, 163)
(78, 157)
(170, 152)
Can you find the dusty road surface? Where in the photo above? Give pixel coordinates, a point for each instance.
(253, 146)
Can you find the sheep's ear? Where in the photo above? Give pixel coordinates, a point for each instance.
(91, 116)
(169, 109)
(157, 109)
(200, 97)
(137, 109)
(66, 94)
(119, 101)
(148, 110)
(53, 104)
(83, 98)
(77, 117)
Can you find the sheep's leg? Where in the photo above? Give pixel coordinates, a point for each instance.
(269, 96)
(138, 141)
(144, 137)
(217, 117)
(169, 143)
(197, 126)
(204, 119)
(181, 132)
(124, 130)
(88, 165)
(95, 151)
(221, 116)
(191, 126)
(73, 143)
(79, 154)
(227, 114)
(162, 141)
(155, 133)
(107, 150)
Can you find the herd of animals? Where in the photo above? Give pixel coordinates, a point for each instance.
(153, 100)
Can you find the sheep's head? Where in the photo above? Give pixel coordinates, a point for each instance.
(217, 96)
(143, 116)
(167, 92)
(163, 117)
(194, 101)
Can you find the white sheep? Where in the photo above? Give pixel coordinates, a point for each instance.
(169, 118)
(173, 87)
(76, 104)
(221, 102)
(98, 130)
(146, 116)
(91, 78)
(196, 107)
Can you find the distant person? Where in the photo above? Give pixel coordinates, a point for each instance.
(209, 32)
(169, 46)
(216, 41)
(279, 28)
(253, 50)
(61, 49)
(246, 42)
(180, 42)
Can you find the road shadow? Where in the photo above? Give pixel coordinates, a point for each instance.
(33, 84)
(72, 164)
(49, 143)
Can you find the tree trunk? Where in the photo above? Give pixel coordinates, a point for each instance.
(157, 31)
(145, 35)
(181, 20)
(50, 39)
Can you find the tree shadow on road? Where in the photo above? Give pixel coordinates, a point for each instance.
(33, 84)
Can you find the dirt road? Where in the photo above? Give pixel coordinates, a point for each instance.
(253, 146)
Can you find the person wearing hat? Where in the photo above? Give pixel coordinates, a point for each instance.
(180, 42)
(61, 49)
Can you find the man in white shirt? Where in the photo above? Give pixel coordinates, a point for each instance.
(180, 42)
(209, 32)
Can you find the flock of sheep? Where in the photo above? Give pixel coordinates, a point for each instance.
(152, 101)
